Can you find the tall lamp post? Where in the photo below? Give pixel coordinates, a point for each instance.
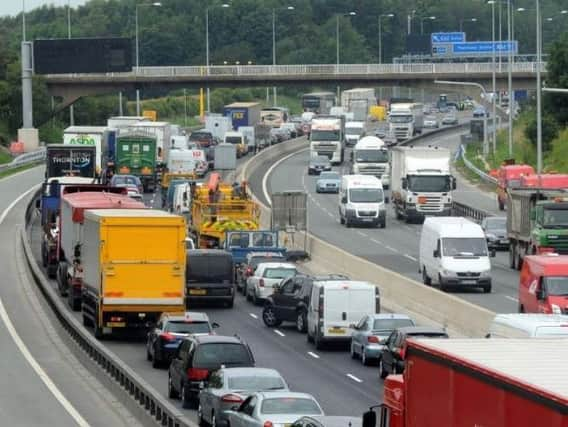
(538, 89)
(71, 107)
(154, 4)
(493, 77)
(290, 8)
(466, 20)
(425, 18)
(224, 5)
(386, 15)
(337, 32)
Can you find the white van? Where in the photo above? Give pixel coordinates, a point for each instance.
(182, 199)
(453, 252)
(529, 325)
(337, 304)
(354, 132)
(362, 201)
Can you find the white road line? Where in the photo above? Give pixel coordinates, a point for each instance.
(354, 378)
(511, 298)
(390, 248)
(377, 242)
(254, 316)
(277, 332)
(24, 350)
(315, 356)
(269, 171)
(410, 257)
(360, 233)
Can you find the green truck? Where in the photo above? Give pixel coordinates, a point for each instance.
(537, 222)
(136, 155)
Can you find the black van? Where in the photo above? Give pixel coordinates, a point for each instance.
(209, 276)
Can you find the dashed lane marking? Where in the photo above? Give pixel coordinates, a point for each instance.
(354, 378)
(511, 298)
(315, 356)
(254, 316)
(277, 332)
(410, 257)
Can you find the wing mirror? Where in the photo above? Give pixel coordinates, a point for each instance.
(404, 183)
(215, 325)
(436, 253)
(344, 199)
(492, 253)
(38, 203)
(532, 215)
(353, 326)
(539, 294)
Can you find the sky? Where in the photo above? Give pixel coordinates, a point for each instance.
(13, 7)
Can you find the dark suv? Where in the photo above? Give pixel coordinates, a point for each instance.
(290, 300)
(392, 356)
(197, 357)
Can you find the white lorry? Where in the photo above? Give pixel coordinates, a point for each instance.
(371, 157)
(161, 130)
(358, 101)
(421, 182)
(118, 122)
(88, 135)
(327, 138)
(353, 132)
(406, 120)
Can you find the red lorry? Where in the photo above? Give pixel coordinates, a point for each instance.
(509, 176)
(545, 180)
(478, 382)
(73, 205)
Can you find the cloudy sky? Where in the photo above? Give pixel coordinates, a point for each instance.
(13, 7)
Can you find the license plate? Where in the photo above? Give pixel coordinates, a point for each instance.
(469, 282)
(504, 242)
(340, 331)
(116, 324)
(197, 292)
(367, 219)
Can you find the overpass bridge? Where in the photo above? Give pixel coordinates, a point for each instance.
(71, 87)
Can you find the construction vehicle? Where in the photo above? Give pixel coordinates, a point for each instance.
(220, 207)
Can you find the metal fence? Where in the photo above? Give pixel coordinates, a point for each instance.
(25, 159)
(485, 177)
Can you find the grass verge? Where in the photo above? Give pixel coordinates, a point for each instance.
(4, 174)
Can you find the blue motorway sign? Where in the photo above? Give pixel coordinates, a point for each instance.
(439, 50)
(447, 38)
(472, 48)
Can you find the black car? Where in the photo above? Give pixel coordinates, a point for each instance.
(291, 299)
(197, 357)
(392, 356)
(164, 339)
(495, 229)
(318, 164)
(209, 276)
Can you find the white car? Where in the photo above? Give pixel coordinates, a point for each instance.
(431, 122)
(261, 284)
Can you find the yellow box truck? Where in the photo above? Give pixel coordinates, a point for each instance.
(134, 268)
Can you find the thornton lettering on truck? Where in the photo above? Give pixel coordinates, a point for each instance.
(478, 382)
(134, 268)
(70, 160)
(421, 182)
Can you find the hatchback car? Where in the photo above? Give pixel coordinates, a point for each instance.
(228, 387)
(163, 340)
(371, 333)
(480, 112)
(276, 408)
(260, 285)
(431, 122)
(392, 356)
(318, 164)
(328, 182)
(253, 259)
(128, 181)
(198, 356)
(495, 229)
(290, 127)
(450, 119)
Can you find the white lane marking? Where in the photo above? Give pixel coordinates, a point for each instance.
(354, 378)
(410, 257)
(315, 356)
(360, 233)
(511, 298)
(269, 172)
(390, 248)
(254, 316)
(24, 350)
(277, 332)
(377, 242)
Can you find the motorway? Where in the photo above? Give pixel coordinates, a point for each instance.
(43, 383)
(395, 247)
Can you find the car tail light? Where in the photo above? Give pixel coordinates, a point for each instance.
(373, 339)
(166, 336)
(268, 424)
(248, 271)
(196, 374)
(231, 398)
(117, 319)
(261, 283)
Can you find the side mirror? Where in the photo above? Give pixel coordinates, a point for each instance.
(387, 199)
(540, 294)
(370, 419)
(235, 408)
(454, 183)
(38, 203)
(351, 156)
(344, 199)
(492, 253)
(487, 335)
(404, 183)
(532, 215)
(215, 325)
(436, 253)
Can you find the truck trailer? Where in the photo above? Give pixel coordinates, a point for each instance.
(134, 268)
(70, 160)
(243, 113)
(97, 136)
(136, 155)
(478, 382)
(406, 120)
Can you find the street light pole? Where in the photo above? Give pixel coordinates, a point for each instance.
(274, 89)
(337, 40)
(510, 77)
(386, 15)
(71, 107)
(494, 97)
(538, 90)
(207, 54)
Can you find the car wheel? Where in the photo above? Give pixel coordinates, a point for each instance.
(213, 422)
(148, 355)
(230, 303)
(187, 401)
(384, 224)
(172, 393)
(425, 279)
(341, 219)
(200, 419)
(247, 293)
(301, 321)
(382, 372)
(487, 289)
(155, 361)
(352, 351)
(347, 223)
(269, 316)
(364, 360)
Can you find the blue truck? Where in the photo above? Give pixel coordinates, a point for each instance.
(243, 113)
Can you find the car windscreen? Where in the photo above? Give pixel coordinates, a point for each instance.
(371, 156)
(181, 327)
(125, 180)
(324, 135)
(555, 218)
(233, 140)
(354, 131)
(329, 175)
(400, 119)
(366, 195)
(279, 273)
(256, 383)
(464, 246)
(556, 285)
(209, 269)
(391, 324)
(496, 224)
(200, 136)
(212, 355)
(428, 183)
(290, 405)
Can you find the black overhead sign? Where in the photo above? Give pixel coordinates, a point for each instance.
(88, 55)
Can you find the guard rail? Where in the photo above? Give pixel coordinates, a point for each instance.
(25, 159)
(485, 177)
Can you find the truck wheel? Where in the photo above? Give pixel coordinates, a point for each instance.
(382, 372)
(301, 321)
(86, 321)
(43, 256)
(73, 302)
(501, 204)
(98, 330)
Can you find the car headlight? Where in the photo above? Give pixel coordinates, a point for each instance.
(485, 273)
(448, 273)
(555, 309)
(491, 236)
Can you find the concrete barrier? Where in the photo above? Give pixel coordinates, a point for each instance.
(398, 293)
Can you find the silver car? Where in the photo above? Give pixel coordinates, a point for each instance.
(328, 182)
(228, 387)
(273, 408)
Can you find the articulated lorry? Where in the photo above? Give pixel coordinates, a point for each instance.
(358, 101)
(421, 182)
(537, 222)
(136, 155)
(371, 157)
(102, 138)
(477, 382)
(327, 138)
(406, 120)
(70, 160)
(134, 268)
(74, 202)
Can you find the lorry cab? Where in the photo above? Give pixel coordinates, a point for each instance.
(362, 201)
(543, 284)
(453, 252)
(528, 325)
(509, 176)
(237, 139)
(371, 157)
